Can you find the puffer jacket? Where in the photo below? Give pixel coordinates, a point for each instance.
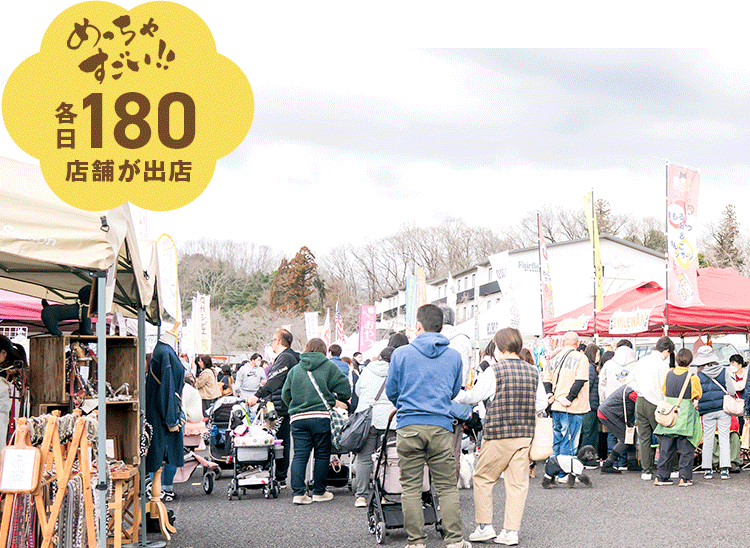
(713, 396)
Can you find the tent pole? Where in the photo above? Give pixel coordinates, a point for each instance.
(666, 251)
(101, 349)
(142, 410)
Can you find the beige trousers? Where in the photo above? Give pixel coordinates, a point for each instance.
(510, 456)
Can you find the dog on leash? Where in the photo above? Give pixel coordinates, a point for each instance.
(570, 465)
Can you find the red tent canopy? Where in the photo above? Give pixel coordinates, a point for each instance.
(19, 308)
(581, 320)
(725, 308)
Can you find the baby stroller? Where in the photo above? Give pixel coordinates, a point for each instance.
(254, 450)
(219, 417)
(191, 440)
(384, 507)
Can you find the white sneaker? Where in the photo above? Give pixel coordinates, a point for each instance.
(361, 502)
(508, 538)
(460, 544)
(674, 475)
(647, 476)
(482, 533)
(323, 498)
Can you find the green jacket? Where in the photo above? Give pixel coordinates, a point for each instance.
(300, 395)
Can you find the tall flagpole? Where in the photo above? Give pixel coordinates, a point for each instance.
(593, 256)
(539, 237)
(666, 251)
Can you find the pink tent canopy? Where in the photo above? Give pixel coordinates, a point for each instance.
(19, 308)
(726, 309)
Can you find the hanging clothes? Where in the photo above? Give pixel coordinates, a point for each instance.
(164, 382)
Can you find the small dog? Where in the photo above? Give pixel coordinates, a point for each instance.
(572, 466)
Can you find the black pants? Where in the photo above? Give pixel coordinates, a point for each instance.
(283, 432)
(667, 447)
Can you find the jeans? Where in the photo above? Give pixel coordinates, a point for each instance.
(309, 434)
(710, 423)
(418, 444)
(566, 427)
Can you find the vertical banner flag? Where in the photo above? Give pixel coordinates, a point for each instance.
(311, 325)
(450, 293)
(411, 304)
(202, 323)
(548, 309)
(340, 336)
(508, 279)
(169, 288)
(367, 329)
(325, 333)
(421, 287)
(593, 226)
(682, 218)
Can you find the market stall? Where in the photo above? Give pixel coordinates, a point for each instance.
(51, 250)
(642, 310)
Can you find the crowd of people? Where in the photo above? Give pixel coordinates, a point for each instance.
(602, 399)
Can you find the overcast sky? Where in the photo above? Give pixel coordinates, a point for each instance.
(361, 124)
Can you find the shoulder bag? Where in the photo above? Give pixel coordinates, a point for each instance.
(731, 405)
(357, 428)
(338, 420)
(666, 413)
(541, 443)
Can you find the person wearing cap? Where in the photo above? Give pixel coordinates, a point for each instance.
(370, 382)
(715, 382)
(646, 378)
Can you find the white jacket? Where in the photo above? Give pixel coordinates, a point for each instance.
(615, 371)
(647, 376)
(369, 383)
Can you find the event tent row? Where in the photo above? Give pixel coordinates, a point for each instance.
(642, 310)
(50, 250)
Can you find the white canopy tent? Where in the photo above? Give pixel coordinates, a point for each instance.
(49, 249)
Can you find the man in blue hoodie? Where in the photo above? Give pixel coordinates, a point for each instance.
(423, 379)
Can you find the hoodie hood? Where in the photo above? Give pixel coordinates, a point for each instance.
(624, 355)
(310, 361)
(713, 370)
(430, 344)
(379, 368)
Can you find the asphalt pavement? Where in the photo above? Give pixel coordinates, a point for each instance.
(619, 510)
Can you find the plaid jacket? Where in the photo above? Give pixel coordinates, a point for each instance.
(511, 413)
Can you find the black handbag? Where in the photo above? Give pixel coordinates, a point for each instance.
(357, 428)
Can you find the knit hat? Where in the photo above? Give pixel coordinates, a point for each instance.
(705, 355)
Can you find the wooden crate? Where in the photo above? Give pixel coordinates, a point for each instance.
(49, 390)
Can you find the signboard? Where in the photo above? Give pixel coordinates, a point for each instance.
(581, 323)
(628, 323)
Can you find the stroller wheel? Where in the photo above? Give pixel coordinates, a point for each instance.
(371, 522)
(380, 532)
(275, 490)
(267, 492)
(208, 482)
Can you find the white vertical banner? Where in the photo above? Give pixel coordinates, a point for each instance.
(202, 323)
(325, 331)
(311, 325)
(169, 288)
(519, 283)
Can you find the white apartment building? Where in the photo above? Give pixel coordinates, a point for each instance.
(572, 271)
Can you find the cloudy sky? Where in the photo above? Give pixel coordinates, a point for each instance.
(364, 121)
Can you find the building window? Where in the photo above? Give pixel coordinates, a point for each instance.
(489, 305)
(473, 280)
(458, 286)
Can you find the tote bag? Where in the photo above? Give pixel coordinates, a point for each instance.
(541, 443)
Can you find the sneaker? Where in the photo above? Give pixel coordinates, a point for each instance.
(735, 469)
(323, 498)
(621, 468)
(609, 469)
(708, 474)
(547, 482)
(508, 538)
(361, 502)
(167, 496)
(674, 475)
(416, 546)
(460, 544)
(590, 464)
(482, 533)
(725, 473)
(658, 481)
(685, 483)
(302, 499)
(282, 484)
(647, 476)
